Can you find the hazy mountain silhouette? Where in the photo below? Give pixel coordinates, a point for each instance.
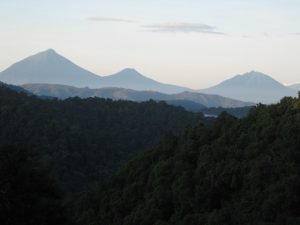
(295, 87)
(62, 92)
(49, 67)
(132, 79)
(253, 87)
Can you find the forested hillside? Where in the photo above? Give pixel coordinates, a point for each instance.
(230, 171)
(84, 141)
(236, 112)
(237, 171)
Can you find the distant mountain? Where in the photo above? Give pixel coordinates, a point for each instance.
(253, 87)
(131, 79)
(49, 67)
(62, 92)
(295, 87)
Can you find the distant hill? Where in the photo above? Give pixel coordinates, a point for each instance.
(14, 88)
(253, 87)
(295, 87)
(51, 68)
(202, 100)
(188, 105)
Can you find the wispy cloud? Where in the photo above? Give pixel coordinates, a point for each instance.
(183, 28)
(110, 19)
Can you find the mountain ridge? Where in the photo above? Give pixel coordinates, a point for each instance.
(295, 86)
(62, 91)
(49, 67)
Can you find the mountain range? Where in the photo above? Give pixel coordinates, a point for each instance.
(51, 68)
(59, 77)
(185, 99)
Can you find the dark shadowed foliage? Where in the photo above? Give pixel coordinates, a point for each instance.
(237, 171)
(28, 195)
(85, 140)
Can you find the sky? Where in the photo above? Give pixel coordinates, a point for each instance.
(192, 43)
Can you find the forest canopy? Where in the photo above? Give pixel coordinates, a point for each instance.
(84, 141)
(236, 171)
(100, 162)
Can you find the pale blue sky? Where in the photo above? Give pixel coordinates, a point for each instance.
(194, 43)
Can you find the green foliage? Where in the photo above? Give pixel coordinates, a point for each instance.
(236, 171)
(230, 172)
(28, 195)
(239, 112)
(84, 141)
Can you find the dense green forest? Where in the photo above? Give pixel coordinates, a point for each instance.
(28, 194)
(84, 141)
(234, 172)
(239, 112)
(227, 172)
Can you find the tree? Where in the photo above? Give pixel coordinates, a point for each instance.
(28, 195)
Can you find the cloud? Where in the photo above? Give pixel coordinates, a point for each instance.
(183, 28)
(109, 19)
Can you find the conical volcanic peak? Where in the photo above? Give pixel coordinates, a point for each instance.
(252, 86)
(48, 67)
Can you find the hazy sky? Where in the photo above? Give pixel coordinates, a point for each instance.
(194, 43)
